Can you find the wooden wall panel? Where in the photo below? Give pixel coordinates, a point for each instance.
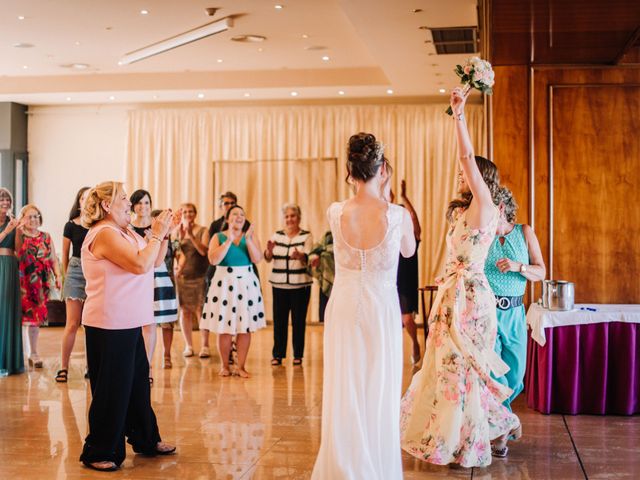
(510, 104)
(596, 190)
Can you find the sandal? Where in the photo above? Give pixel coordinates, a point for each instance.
(297, 361)
(499, 448)
(167, 363)
(160, 449)
(62, 376)
(105, 466)
(276, 362)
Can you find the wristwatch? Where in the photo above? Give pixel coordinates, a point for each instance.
(523, 268)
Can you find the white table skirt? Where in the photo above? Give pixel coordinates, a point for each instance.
(539, 318)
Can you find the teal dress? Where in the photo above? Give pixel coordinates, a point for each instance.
(11, 357)
(511, 339)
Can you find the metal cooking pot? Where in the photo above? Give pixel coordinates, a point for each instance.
(559, 294)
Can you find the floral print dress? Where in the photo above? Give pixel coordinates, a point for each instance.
(35, 264)
(453, 408)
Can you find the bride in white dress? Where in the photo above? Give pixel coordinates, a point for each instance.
(363, 326)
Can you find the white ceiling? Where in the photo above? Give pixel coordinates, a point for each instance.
(373, 46)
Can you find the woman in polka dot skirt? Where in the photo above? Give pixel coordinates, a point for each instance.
(234, 305)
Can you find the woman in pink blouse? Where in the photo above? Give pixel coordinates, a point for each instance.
(118, 267)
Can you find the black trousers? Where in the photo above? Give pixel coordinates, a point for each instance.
(121, 403)
(322, 304)
(296, 301)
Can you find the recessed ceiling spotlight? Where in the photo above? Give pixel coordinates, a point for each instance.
(25, 67)
(340, 92)
(21, 17)
(278, 7)
(219, 60)
(304, 35)
(389, 92)
(249, 38)
(112, 98)
(247, 94)
(79, 66)
(144, 12)
(77, 44)
(201, 95)
(294, 94)
(68, 99)
(325, 58)
(260, 50)
(442, 90)
(23, 45)
(155, 97)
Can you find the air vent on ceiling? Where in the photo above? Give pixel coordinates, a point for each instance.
(455, 40)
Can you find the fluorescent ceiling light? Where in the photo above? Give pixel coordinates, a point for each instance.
(177, 41)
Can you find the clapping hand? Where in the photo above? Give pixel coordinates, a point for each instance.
(161, 224)
(507, 265)
(235, 234)
(270, 245)
(314, 261)
(249, 233)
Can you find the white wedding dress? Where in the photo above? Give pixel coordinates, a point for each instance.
(362, 360)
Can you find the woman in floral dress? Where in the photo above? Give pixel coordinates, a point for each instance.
(37, 260)
(453, 409)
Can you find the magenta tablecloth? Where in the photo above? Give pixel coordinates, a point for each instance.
(591, 369)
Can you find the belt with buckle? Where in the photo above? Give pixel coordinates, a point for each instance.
(505, 303)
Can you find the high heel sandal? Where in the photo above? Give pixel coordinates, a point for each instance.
(500, 449)
(35, 361)
(62, 376)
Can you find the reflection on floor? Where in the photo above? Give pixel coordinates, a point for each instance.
(267, 427)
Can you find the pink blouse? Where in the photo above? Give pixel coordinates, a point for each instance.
(116, 299)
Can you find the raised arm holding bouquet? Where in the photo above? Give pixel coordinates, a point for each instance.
(475, 73)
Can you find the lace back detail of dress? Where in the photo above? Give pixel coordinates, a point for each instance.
(381, 258)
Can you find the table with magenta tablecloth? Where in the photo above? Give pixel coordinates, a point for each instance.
(586, 360)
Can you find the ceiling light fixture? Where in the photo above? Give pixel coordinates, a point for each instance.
(77, 44)
(20, 17)
(247, 94)
(25, 66)
(442, 90)
(278, 7)
(249, 38)
(325, 58)
(144, 12)
(304, 35)
(219, 60)
(389, 92)
(155, 97)
(177, 41)
(340, 92)
(201, 95)
(68, 99)
(112, 98)
(294, 94)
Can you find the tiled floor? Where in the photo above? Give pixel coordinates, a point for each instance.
(267, 427)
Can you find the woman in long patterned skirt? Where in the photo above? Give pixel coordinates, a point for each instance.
(453, 408)
(37, 260)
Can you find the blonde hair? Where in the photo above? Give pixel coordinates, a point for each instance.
(26, 208)
(504, 196)
(292, 206)
(93, 210)
(6, 193)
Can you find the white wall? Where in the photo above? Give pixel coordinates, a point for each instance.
(70, 147)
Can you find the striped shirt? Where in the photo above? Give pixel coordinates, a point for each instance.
(287, 272)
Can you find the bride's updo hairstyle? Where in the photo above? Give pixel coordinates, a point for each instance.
(365, 157)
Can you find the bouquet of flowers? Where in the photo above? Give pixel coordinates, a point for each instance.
(475, 73)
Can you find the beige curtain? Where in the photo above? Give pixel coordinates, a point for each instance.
(272, 155)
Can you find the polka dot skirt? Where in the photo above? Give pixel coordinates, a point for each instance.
(234, 302)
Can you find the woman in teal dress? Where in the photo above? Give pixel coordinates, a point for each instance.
(11, 357)
(233, 304)
(514, 257)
